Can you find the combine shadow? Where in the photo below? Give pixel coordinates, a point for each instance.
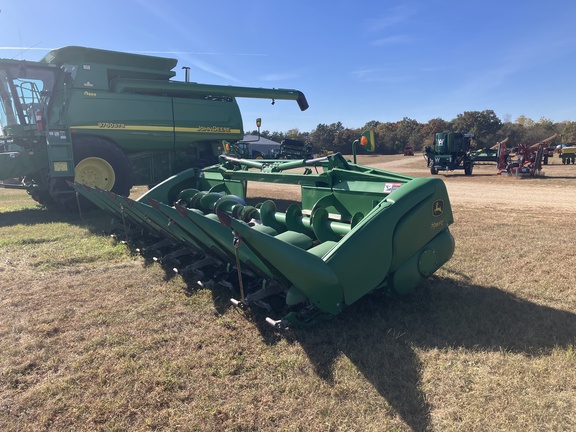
(94, 220)
(379, 336)
(31, 216)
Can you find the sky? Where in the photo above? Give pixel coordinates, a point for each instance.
(356, 61)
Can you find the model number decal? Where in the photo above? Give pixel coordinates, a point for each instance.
(438, 224)
(104, 125)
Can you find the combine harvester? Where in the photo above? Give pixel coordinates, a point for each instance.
(356, 230)
(111, 119)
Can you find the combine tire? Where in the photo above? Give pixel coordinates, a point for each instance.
(98, 163)
(468, 167)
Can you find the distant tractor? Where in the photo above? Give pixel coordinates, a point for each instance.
(408, 151)
(451, 151)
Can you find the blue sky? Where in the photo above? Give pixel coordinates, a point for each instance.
(355, 61)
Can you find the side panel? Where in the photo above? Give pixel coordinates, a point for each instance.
(206, 120)
(135, 122)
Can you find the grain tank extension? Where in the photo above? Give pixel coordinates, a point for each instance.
(111, 119)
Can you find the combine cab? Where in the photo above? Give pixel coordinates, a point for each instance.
(357, 229)
(451, 151)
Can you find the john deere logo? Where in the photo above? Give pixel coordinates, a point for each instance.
(438, 208)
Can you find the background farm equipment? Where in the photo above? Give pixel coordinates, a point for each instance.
(408, 151)
(451, 151)
(295, 149)
(490, 154)
(245, 149)
(357, 229)
(527, 159)
(568, 154)
(242, 150)
(111, 119)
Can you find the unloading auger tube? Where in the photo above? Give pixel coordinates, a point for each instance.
(357, 229)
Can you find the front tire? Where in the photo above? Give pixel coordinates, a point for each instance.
(99, 163)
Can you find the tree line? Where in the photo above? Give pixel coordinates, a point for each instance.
(392, 137)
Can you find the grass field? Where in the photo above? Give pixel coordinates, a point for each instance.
(94, 338)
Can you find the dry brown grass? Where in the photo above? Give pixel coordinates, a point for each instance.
(93, 338)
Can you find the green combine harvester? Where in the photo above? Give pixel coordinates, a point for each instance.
(356, 230)
(111, 120)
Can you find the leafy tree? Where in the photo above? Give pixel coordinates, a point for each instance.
(513, 131)
(386, 134)
(296, 134)
(432, 127)
(408, 133)
(568, 132)
(371, 125)
(277, 136)
(483, 124)
(546, 124)
(525, 121)
(344, 140)
(324, 136)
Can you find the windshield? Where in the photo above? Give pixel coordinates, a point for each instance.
(24, 91)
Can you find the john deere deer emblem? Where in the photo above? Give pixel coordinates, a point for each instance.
(438, 208)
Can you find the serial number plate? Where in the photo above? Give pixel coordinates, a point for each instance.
(60, 166)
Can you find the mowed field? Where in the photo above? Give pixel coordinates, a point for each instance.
(95, 338)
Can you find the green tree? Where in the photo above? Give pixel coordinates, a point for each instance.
(408, 133)
(546, 124)
(568, 131)
(525, 121)
(483, 124)
(433, 126)
(324, 136)
(344, 140)
(386, 137)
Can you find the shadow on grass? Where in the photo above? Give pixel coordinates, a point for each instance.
(33, 215)
(96, 220)
(380, 335)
